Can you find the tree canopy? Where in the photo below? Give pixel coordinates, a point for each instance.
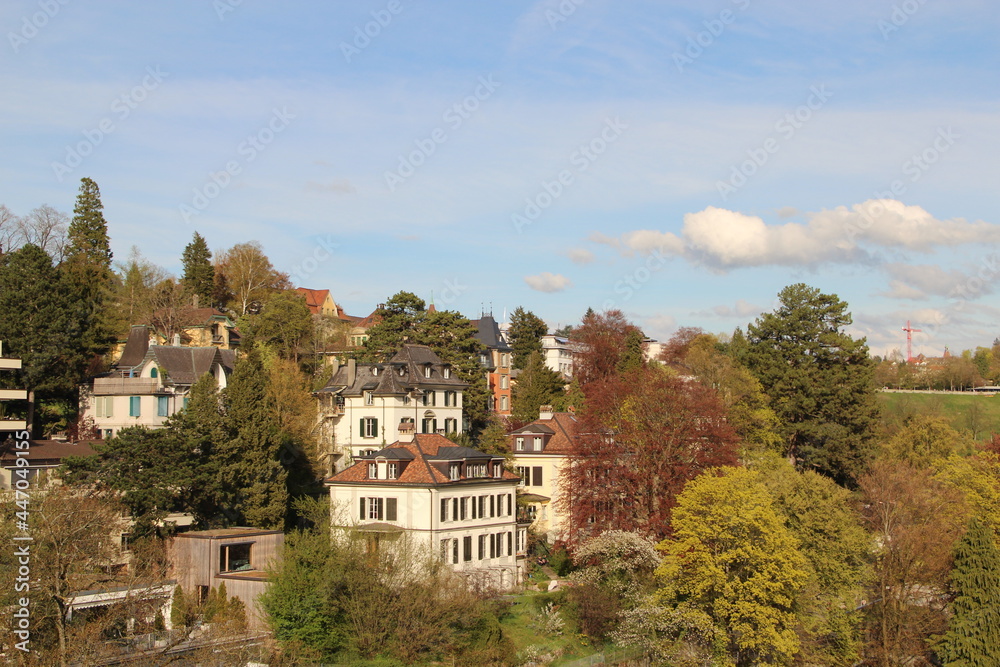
(819, 381)
(199, 274)
(525, 335)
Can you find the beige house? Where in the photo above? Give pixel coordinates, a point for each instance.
(319, 301)
(541, 454)
(40, 461)
(456, 501)
(149, 383)
(203, 559)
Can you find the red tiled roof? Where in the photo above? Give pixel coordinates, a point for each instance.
(44, 450)
(564, 426)
(418, 471)
(314, 298)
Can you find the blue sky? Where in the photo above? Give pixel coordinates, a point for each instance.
(681, 161)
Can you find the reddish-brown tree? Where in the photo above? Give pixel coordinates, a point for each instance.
(645, 434)
(603, 345)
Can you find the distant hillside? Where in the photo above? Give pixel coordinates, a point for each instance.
(978, 414)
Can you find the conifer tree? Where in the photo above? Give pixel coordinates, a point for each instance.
(87, 270)
(199, 273)
(250, 465)
(36, 326)
(537, 385)
(973, 638)
(525, 335)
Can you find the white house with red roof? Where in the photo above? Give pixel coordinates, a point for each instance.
(542, 450)
(457, 501)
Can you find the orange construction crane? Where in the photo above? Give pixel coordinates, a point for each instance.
(909, 340)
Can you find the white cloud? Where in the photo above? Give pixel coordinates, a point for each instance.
(900, 290)
(723, 239)
(548, 282)
(580, 255)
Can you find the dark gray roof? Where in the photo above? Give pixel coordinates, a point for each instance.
(405, 372)
(457, 453)
(136, 346)
(488, 333)
(184, 365)
(395, 453)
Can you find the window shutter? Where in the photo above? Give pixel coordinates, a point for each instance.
(363, 514)
(510, 544)
(390, 509)
(509, 510)
(537, 475)
(493, 545)
(454, 508)
(464, 503)
(379, 504)
(444, 509)
(375, 427)
(361, 427)
(482, 541)
(493, 506)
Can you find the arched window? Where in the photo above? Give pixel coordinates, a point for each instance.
(153, 372)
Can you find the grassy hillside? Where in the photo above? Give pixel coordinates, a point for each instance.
(978, 414)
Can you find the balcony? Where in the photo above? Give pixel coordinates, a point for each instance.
(124, 386)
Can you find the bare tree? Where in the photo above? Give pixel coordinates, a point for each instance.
(46, 228)
(9, 229)
(250, 275)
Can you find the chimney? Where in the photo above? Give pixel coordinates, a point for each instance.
(194, 301)
(545, 412)
(177, 340)
(406, 430)
(352, 371)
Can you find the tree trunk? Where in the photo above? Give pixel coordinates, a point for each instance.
(30, 420)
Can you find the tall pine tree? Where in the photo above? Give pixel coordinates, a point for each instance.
(525, 335)
(973, 638)
(199, 273)
(537, 385)
(250, 461)
(87, 270)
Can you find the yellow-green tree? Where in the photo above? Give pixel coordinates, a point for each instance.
(925, 441)
(733, 562)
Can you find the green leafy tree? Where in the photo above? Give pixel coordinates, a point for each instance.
(525, 335)
(248, 276)
(199, 274)
(820, 514)
(397, 321)
(973, 637)
(38, 327)
(537, 385)
(925, 441)
(136, 289)
(284, 324)
(250, 460)
(732, 560)
(819, 381)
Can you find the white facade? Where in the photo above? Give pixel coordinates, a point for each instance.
(469, 521)
(558, 353)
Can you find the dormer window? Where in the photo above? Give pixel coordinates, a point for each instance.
(455, 471)
(476, 470)
(392, 471)
(153, 372)
(447, 372)
(427, 371)
(372, 471)
(538, 443)
(375, 370)
(498, 469)
(519, 444)
(369, 398)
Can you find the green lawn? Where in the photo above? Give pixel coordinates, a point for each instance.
(978, 414)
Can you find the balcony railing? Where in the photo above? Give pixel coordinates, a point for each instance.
(120, 386)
